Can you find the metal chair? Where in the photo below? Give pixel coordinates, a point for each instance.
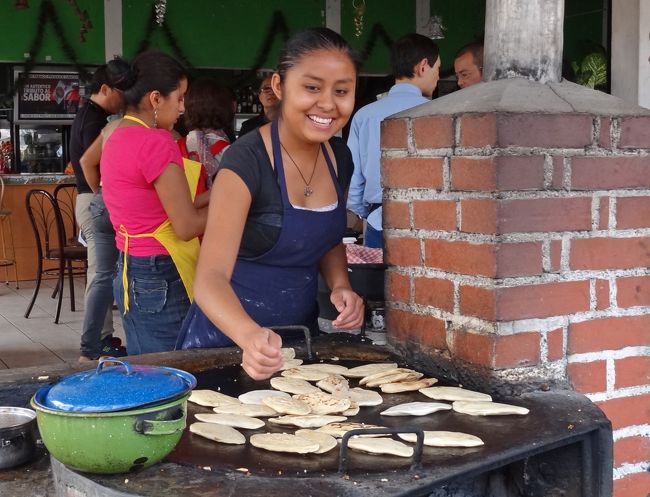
(49, 229)
(8, 256)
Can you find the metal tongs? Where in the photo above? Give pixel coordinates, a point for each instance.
(297, 327)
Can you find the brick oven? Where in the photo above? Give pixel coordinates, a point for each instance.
(517, 227)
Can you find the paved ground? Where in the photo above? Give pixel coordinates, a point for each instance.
(37, 341)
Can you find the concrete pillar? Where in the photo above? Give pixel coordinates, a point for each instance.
(631, 51)
(523, 39)
(112, 28)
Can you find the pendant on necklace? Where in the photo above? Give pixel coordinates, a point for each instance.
(308, 191)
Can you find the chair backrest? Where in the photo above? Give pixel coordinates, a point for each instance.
(66, 198)
(47, 222)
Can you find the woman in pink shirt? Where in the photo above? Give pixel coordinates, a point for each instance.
(151, 207)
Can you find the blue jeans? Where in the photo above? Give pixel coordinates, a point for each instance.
(158, 303)
(99, 294)
(373, 238)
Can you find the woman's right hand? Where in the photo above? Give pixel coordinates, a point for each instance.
(261, 356)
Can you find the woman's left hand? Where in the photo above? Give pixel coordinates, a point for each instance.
(350, 307)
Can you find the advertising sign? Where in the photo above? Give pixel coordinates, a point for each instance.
(47, 96)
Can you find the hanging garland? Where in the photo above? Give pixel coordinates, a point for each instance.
(47, 14)
(377, 32)
(83, 16)
(156, 20)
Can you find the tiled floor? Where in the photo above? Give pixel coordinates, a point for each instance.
(37, 341)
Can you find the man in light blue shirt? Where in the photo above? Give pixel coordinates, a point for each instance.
(415, 63)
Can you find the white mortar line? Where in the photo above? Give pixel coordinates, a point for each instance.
(456, 297)
(412, 193)
(629, 469)
(592, 295)
(566, 173)
(565, 254)
(595, 212)
(543, 348)
(446, 175)
(612, 213)
(610, 372)
(612, 354)
(619, 394)
(615, 133)
(548, 171)
(632, 431)
(613, 293)
(546, 256)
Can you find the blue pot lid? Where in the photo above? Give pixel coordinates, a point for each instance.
(117, 388)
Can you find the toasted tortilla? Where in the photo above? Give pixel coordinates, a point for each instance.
(288, 353)
(210, 398)
(234, 420)
(369, 369)
(324, 403)
(305, 374)
(287, 405)
(328, 368)
(474, 408)
(251, 410)
(395, 377)
(380, 446)
(444, 439)
(338, 429)
(326, 442)
(308, 421)
(407, 386)
(218, 433)
(257, 396)
(283, 442)
(290, 363)
(455, 393)
(292, 385)
(334, 384)
(353, 410)
(416, 409)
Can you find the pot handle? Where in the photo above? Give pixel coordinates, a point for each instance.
(161, 427)
(112, 360)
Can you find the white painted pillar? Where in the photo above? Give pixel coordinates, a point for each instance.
(333, 15)
(524, 39)
(422, 15)
(631, 51)
(112, 28)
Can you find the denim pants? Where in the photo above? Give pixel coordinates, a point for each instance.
(373, 238)
(85, 221)
(99, 293)
(158, 303)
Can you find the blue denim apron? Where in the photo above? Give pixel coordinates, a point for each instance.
(279, 287)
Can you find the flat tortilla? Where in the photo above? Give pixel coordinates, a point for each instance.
(308, 421)
(252, 410)
(338, 429)
(334, 384)
(487, 408)
(380, 446)
(288, 353)
(455, 393)
(305, 374)
(416, 409)
(324, 403)
(234, 420)
(292, 385)
(326, 442)
(369, 369)
(210, 398)
(407, 386)
(283, 442)
(353, 410)
(365, 397)
(218, 433)
(444, 439)
(257, 396)
(288, 405)
(328, 368)
(397, 376)
(290, 363)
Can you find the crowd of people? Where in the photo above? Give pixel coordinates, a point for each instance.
(207, 241)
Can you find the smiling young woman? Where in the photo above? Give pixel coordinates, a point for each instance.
(277, 213)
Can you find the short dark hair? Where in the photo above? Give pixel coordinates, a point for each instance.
(154, 70)
(116, 74)
(208, 104)
(476, 49)
(408, 51)
(310, 40)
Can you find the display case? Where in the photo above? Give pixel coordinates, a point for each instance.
(41, 149)
(6, 146)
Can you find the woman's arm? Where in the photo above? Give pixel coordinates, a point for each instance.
(334, 268)
(188, 221)
(90, 163)
(230, 202)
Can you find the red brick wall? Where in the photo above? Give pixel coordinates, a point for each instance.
(523, 241)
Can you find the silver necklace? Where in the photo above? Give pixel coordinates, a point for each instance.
(308, 191)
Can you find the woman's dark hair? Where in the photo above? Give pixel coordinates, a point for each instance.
(208, 104)
(153, 70)
(408, 51)
(310, 40)
(116, 74)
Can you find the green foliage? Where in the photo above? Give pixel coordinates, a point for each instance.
(592, 71)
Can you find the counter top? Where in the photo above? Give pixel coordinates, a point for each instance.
(40, 179)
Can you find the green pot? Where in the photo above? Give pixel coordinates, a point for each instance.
(112, 442)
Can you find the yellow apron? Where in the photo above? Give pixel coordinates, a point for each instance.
(184, 254)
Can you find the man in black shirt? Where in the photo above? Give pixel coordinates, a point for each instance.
(269, 102)
(106, 99)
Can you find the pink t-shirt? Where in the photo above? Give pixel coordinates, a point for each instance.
(132, 159)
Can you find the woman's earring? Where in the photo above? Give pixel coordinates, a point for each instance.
(155, 118)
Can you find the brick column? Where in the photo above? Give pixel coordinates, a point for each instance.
(517, 226)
